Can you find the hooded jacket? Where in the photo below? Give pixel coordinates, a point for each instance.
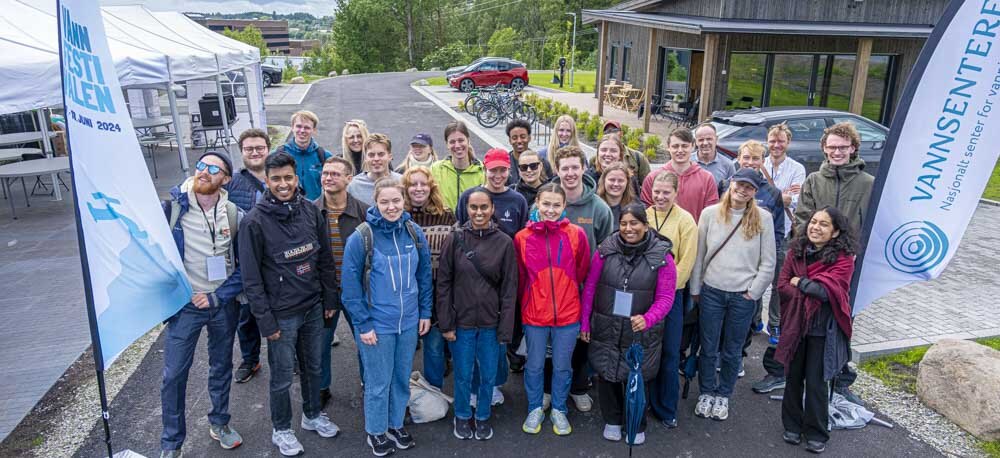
(464, 299)
(553, 258)
(847, 187)
(590, 213)
(453, 182)
(308, 165)
(529, 192)
(286, 260)
(362, 187)
(696, 189)
(401, 287)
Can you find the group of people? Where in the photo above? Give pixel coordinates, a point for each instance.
(541, 262)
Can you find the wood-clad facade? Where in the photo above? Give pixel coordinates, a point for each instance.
(826, 34)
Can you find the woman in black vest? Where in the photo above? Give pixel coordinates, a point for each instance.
(631, 271)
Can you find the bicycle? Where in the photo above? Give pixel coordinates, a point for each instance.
(504, 106)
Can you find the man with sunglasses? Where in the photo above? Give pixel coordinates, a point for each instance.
(203, 223)
(245, 189)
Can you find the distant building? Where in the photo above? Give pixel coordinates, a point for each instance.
(275, 32)
(301, 47)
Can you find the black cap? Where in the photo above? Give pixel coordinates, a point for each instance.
(220, 155)
(422, 139)
(748, 176)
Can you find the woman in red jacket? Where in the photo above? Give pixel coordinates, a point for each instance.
(553, 260)
(815, 323)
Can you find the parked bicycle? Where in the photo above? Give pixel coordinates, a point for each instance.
(503, 106)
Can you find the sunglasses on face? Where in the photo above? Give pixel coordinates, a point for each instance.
(212, 169)
(526, 167)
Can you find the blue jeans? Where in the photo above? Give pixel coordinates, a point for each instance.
(301, 334)
(727, 313)
(325, 374)
(665, 390)
(563, 342)
(387, 379)
(249, 336)
(475, 350)
(183, 330)
(434, 359)
(503, 367)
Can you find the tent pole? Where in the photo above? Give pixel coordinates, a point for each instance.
(222, 104)
(247, 83)
(49, 152)
(175, 117)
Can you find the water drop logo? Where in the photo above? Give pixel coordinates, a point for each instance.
(915, 247)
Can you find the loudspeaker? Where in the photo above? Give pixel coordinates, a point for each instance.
(211, 116)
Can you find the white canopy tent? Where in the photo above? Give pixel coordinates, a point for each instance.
(150, 50)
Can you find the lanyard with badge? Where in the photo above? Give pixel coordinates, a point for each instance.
(215, 265)
(623, 298)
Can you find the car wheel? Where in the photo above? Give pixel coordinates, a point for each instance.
(467, 85)
(517, 84)
(267, 80)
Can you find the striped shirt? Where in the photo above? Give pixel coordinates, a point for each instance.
(336, 241)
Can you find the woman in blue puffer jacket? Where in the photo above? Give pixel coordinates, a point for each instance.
(389, 311)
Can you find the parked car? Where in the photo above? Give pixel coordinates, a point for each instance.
(807, 124)
(455, 70)
(270, 74)
(507, 72)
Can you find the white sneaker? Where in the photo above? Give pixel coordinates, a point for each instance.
(533, 423)
(640, 439)
(497, 397)
(546, 401)
(287, 444)
(560, 424)
(720, 410)
(321, 424)
(583, 402)
(613, 433)
(704, 407)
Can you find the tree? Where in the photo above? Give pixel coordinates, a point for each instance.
(368, 36)
(448, 56)
(251, 36)
(502, 42)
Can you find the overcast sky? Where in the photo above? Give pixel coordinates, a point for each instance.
(314, 7)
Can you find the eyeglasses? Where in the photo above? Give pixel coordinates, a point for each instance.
(212, 169)
(525, 167)
(841, 148)
(250, 149)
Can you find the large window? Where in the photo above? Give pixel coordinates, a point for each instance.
(674, 68)
(746, 79)
(614, 62)
(625, 53)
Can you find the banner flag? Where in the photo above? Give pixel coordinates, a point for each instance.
(941, 151)
(131, 265)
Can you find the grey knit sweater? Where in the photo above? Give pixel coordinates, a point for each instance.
(741, 265)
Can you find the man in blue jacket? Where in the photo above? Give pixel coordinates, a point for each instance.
(203, 223)
(244, 190)
(309, 156)
(291, 285)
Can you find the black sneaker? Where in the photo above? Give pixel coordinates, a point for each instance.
(484, 431)
(246, 372)
(768, 384)
(815, 446)
(670, 424)
(381, 445)
(402, 438)
(792, 438)
(463, 430)
(324, 397)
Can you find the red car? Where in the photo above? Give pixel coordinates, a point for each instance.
(489, 72)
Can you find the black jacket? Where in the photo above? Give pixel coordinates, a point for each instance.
(611, 335)
(244, 189)
(286, 260)
(464, 299)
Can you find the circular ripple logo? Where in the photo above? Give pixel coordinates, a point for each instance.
(915, 247)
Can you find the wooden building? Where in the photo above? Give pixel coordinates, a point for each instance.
(853, 55)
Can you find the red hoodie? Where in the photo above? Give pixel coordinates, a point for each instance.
(553, 258)
(696, 189)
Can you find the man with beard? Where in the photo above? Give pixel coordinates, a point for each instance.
(203, 223)
(291, 284)
(245, 189)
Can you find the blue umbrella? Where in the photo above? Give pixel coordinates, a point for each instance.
(635, 395)
(691, 363)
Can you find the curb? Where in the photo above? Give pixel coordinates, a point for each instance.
(475, 128)
(989, 202)
(860, 353)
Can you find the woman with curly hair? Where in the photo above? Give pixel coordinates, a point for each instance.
(815, 284)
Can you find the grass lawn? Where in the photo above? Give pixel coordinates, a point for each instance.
(437, 81)
(992, 191)
(583, 81)
(899, 371)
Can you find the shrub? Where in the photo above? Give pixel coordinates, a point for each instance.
(583, 118)
(593, 129)
(574, 113)
(650, 145)
(583, 89)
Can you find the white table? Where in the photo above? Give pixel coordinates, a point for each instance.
(39, 167)
(151, 123)
(22, 137)
(15, 153)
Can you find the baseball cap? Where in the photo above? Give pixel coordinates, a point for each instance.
(615, 124)
(422, 139)
(497, 157)
(748, 176)
(223, 156)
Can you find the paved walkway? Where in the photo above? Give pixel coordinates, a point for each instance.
(286, 94)
(952, 306)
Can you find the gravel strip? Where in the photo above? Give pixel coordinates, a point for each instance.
(82, 412)
(923, 423)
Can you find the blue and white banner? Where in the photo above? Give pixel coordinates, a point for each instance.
(135, 273)
(940, 153)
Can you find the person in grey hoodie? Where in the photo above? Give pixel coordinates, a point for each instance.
(377, 157)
